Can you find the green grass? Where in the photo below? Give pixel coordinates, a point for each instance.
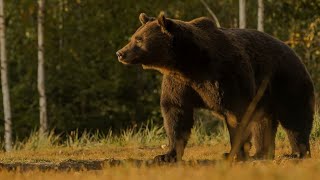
(208, 141)
(205, 132)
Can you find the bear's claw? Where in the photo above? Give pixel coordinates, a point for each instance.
(165, 158)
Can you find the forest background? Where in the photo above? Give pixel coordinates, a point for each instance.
(88, 89)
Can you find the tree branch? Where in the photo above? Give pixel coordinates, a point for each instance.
(211, 13)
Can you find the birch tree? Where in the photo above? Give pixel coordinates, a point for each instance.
(242, 14)
(4, 82)
(41, 71)
(260, 15)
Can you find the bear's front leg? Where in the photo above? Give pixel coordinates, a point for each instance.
(178, 122)
(177, 103)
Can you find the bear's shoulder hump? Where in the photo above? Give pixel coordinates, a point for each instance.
(203, 22)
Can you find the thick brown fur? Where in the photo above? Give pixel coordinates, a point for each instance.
(221, 70)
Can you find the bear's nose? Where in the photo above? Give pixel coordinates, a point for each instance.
(119, 54)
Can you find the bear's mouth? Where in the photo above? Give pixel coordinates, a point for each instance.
(162, 70)
(128, 62)
(123, 61)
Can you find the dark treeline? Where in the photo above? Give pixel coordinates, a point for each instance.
(87, 88)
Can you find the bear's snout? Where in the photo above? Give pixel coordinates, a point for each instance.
(125, 56)
(120, 55)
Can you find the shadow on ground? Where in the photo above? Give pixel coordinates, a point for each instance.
(84, 165)
(79, 165)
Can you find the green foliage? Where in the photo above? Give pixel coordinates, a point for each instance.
(316, 125)
(306, 42)
(36, 142)
(88, 89)
(149, 134)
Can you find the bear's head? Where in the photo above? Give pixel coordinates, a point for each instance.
(150, 45)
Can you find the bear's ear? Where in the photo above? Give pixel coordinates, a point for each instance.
(166, 24)
(143, 18)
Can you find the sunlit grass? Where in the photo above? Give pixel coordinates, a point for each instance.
(308, 169)
(207, 142)
(204, 133)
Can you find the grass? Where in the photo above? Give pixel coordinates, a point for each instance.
(146, 136)
(304, 170)
(145, 143)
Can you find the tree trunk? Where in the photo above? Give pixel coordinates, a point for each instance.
(41, 71)
(4, 82)
(260, 15)
(242, 14)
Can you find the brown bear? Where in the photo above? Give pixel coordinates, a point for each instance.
(221, 70)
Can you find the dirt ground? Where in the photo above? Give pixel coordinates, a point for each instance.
(98, 158)
(199, 162)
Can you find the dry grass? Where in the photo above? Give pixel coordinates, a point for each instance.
(304, 170)
(144, 144)
(278, 169)
(192, 152)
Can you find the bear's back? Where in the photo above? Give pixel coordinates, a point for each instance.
(269, 55)
(263, 50)
(203, 23)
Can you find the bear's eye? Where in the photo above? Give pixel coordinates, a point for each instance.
(138, 40)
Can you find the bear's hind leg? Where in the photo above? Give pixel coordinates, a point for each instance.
(245, 144)
(298, 126)
(299, 142)
(263, 135)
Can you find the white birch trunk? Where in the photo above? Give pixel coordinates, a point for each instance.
(242, 14)
(260, 15)
(41, 71)
(4, 82)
